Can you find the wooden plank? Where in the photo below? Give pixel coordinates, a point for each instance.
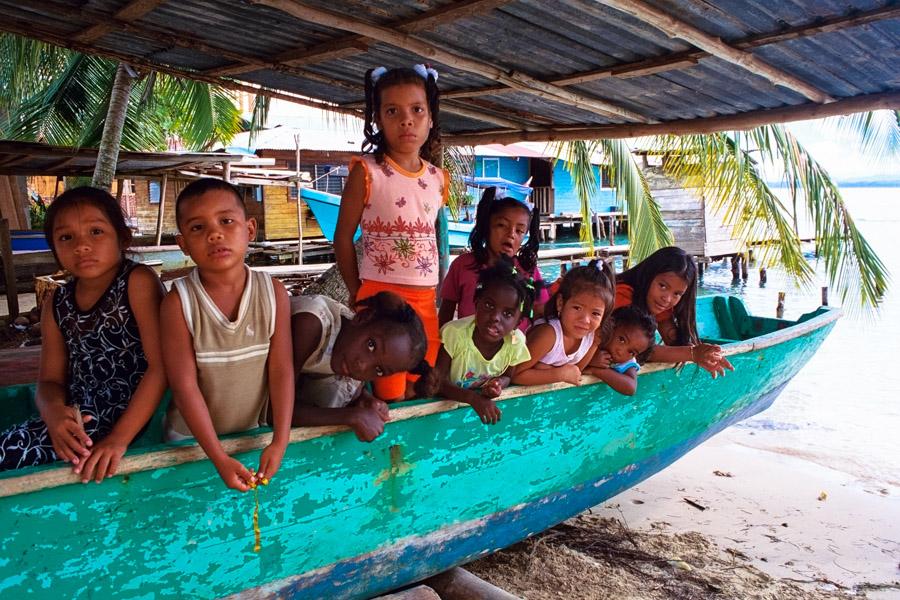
(9, 270)
(162, 209)
(132, 11)
(420, 592)
(354, 44)
(459, 584)
(521, 81)
(747, 120)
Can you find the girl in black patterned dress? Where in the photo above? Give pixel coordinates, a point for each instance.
(101, 375)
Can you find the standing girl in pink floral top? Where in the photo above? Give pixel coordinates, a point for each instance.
(394, 195)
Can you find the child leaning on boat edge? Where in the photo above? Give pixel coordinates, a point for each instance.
(227, 330)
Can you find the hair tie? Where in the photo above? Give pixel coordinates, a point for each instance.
(424, 71)
(376, 74)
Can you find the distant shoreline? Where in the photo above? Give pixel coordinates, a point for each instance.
(852, 184)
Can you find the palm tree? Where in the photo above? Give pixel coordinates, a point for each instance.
(728, 168)
(65, 98)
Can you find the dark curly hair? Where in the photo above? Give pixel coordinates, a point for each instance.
(597, 276)
(374, 143)
(87, 195)
(481, 232)
(633, 316)
(503, 272)
(670, 259)
(389, 309)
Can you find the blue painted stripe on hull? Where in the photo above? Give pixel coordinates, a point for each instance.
(415, 559)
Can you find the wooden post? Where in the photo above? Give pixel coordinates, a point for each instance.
(734, 266)
(420, 592)
(299, 201)
(779, 309)
(226, 171)
(162, 208)
(763, 276)
(56, 188)
(745, 260)
(824, 295)
(459, 584)
(9, 270)
(700, 269)
(119, 193)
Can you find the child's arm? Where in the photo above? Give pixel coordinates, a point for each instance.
(181, 371)
(707, 356)
(447, 311)
(366, 416)
(352, 205)
(145, 294)
(484, 407)
(64, 423)
(624, 383)
(494, 387)
(540, 341)
(280, 371)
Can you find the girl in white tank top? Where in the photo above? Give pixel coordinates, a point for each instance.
(563, 343)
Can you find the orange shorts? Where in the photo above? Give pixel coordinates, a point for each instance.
(424, 302)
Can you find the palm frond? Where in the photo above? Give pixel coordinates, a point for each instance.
(459, 162)
(578, 155)
(261, 105)
(877, 132)
(851, 265)
(720, 168)
(647, 232)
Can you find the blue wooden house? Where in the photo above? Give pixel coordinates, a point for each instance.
(554, 190)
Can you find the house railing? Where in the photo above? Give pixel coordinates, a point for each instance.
(544, 200)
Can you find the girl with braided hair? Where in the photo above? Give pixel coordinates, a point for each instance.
(394, 195)
(336, 352)
(480, 352)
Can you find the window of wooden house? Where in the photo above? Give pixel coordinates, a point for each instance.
(605, 180)
(330, 178)
(154, 191)
(490, 167)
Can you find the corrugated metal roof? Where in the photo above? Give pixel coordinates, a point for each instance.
(548, 69)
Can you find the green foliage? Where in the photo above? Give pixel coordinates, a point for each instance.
(37, 212)
(61, 97)
(459, 162)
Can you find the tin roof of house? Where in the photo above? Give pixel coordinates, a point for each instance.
(513, 70)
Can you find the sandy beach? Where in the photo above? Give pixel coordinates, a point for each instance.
(726, 521)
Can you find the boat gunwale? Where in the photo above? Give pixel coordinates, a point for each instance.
(191, 452)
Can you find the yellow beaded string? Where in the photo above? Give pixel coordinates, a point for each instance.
(257, 534)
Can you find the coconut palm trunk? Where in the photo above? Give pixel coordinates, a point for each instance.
(108, 154)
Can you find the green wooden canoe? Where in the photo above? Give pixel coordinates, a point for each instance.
(345, 519)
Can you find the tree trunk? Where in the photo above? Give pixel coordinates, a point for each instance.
(108, 154)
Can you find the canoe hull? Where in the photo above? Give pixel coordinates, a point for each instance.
(345, 519)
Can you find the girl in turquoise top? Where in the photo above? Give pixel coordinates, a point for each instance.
(478, 353)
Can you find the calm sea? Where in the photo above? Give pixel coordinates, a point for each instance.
(843, 409)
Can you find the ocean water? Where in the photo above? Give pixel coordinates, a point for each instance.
(842, 410)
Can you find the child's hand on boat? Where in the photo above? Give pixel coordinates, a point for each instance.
(485, 409)
(379, 406)
(104, 459)
(492, 388)
(570, 374)
(368, 420)
(234, 474)
(65, 425)
(269, 462)
(710, 357)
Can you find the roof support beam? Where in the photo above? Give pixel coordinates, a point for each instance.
(748, 120)
(681, 60)
(520, 81)
(132, 11)
(674, 27)
(350, 44)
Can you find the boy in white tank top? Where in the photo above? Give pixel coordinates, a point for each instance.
(227, 335)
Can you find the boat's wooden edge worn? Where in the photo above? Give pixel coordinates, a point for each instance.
(170, 457)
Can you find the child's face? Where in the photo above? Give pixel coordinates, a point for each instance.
(627, 342)
(581, 314)
(497, 312)
(86, 243)
(665, 292)
(404, 118)
(508, 228)
(214, 231)
(369, 351)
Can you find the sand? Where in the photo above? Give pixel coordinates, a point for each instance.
(726, 521)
